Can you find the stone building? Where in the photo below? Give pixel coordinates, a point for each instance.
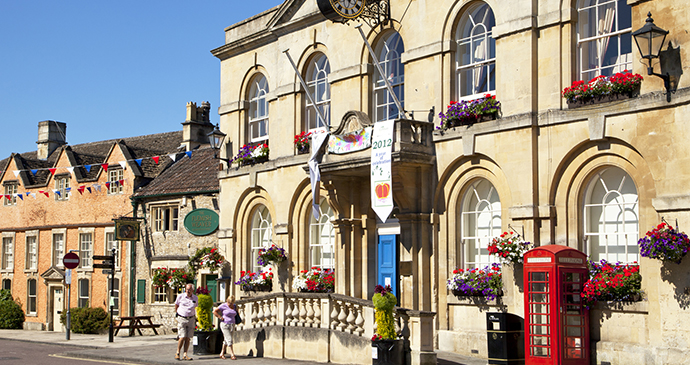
(64, 198)
(593, 178)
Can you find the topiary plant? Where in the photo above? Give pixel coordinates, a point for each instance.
(87, 319)
(203, 310)
(384, 302)
(11, 313)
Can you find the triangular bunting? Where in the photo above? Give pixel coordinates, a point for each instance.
(122, 182)
(8, 197)
(96, 187)
(156, 158)
(107, 184)
(88, 168)
(89, 189)
(123, 164)
(57, 192)
(16, 173)
(70, 169)
(52, 171)
(20, 196)
(173, 156)
(32, 195)
(44, 193)
(68, 189)
(104, 166)
(189, 154)
(138, 160)
(34, 171)
(81, 189)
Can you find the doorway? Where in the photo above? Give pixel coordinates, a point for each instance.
(57, 297)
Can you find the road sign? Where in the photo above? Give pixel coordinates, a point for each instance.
(103, 266)
(107, 272)
(97, 257)
(71, 260)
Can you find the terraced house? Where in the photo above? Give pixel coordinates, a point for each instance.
(593, 177)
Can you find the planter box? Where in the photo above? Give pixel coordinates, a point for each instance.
(387, 352)
(303, 150)
(602, 99)
(205, 342)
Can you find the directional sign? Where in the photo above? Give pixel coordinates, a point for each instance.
(97, 257)
(103, 266)
(71, 260)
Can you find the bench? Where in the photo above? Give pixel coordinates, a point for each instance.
(135, 323)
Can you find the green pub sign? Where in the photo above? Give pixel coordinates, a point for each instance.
(201, 222)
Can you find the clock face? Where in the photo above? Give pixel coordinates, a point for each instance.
(348, 8)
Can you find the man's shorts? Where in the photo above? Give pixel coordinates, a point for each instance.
(185, 327)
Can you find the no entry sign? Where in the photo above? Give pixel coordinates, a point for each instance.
(71, 260)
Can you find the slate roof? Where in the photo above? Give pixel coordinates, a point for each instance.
(186, 176)
(95, 153)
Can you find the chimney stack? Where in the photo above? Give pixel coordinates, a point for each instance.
(197, 125)
(51, 135)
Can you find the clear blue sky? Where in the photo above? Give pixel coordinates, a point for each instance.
(109, 69)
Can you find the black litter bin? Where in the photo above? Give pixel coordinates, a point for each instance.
(505, 338)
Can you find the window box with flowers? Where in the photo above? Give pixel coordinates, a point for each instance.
(315, 280)
(251, 154)
(612, 283)
(664, 243)
(486, 282)
(251, 281)
(509, 247)
(467, 112)
(302, 142)
(601, 89)
(171, 278)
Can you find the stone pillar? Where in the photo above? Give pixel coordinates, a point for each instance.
(422, 338)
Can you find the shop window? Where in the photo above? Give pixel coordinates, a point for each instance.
(480, 222)
(322, 238)
(604, 38)
(262, 231)
(258, 109)
(320, 91)
(389, 51)
(476, 53)
(611, 217)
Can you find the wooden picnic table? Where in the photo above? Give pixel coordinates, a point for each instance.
(135, 323)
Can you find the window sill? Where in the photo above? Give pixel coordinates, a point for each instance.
(30, 271)
(84, 270)
(32, 315)
(7, 271)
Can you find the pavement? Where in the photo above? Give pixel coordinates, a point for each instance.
(160, 349)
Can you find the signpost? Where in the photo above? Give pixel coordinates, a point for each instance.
(108, 265)
(70, 261)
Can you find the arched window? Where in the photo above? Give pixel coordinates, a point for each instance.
(320, 91)
(262, 232)
(611, 217)
(388, 52)
(604, 40)
(322, 238)
(476, 54)
(258, 109)
(480, 222)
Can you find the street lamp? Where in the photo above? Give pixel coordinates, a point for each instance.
(650, 39)
(215, 139)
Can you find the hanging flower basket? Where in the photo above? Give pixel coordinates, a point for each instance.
(612, 283)
(509, 247)
(271, 255)
(664, 243)
(484, 282)
(302, 142)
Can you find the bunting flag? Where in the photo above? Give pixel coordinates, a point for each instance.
(189, 154)
(107, 184)
(68, 190)
(123, 164)
(81, 189)
(70, 169)
(122, 182)
(52, 171)
(156, 158)
(16, 173)
(34, 171)
(57, 192)
(32, 195)
(104, 166)
(44, 193)
(89, 189)
(7, 197)
(97, 187)
(173, 156)
(20, 197)
(138, 160)
(88, 168)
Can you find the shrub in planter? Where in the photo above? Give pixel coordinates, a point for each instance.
(11, 313)
(86, 319)
(203, 310)
(384, 302)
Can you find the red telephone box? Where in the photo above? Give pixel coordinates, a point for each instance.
(556, 322)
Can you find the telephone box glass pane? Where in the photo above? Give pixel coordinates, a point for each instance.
(540, 330)
(540, 351)
(573, 318)
(538, 287)
(540, 340)
(539, 303)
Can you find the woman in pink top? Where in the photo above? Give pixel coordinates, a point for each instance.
(226, 313)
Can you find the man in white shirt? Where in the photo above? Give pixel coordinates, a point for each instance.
(185, 306)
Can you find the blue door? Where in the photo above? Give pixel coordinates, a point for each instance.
(388, 262)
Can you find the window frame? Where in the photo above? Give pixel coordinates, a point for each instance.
(481, 242)
(115, 175)
(316, 229)
(315, 69)
(117, 286)
(31, 299)
(6, 284)
(261, 229)
(166, 217)
(8, 251)
(58, 254)
(10, 188)
(583, 12)
(387, 63)
(83, 300)
(108, 245)
(258, 99)
(161, 292)
(86, 250)
(31, 252)
(62, 184)
(487, 61)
